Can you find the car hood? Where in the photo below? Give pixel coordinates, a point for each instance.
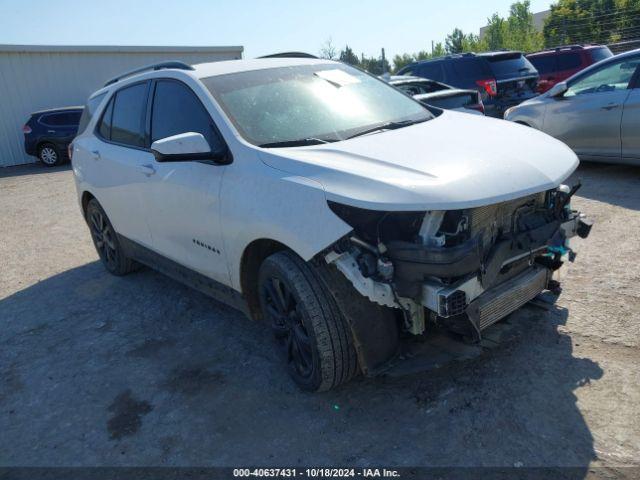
(453, 161)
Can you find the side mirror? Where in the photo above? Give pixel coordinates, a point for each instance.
(189, 146)
(558, 89)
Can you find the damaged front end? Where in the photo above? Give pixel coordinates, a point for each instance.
(462, 269)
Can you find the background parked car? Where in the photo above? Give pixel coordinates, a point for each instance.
(596, 112)
(439, 94)
(503, 78)
(557, 64)
(48, 133)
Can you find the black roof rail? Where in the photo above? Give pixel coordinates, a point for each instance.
(565, 47)
(155, 66)
(289, 55)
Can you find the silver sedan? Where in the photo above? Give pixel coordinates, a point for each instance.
(596, 112)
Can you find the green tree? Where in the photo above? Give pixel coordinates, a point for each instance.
(592, 21)
(438, 50)
(454, 43)
(520, 32)
(400, 61)
(495, 32)
(347, 56)
(374, 65)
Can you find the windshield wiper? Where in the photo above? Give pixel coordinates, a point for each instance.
(388, 126)
(298, 142)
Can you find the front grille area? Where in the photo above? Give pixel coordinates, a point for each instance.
(509, 296)
(496, 219)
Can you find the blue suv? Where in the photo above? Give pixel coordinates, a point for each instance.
(504, 78)
(48, 133)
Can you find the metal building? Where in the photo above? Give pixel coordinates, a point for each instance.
(37, 77)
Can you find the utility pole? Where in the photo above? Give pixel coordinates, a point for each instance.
(384, 63)
(432, 48)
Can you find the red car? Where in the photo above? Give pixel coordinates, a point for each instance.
(557, 64)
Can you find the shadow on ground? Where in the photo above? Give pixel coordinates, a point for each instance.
(139, 370)
(615, 184)
(32, 169)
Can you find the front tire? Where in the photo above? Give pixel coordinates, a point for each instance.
(315, 338)
(49, 155)
(106, 241)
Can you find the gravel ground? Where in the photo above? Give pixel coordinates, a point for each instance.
(99, 370)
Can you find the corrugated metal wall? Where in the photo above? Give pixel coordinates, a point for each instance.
(38, 79)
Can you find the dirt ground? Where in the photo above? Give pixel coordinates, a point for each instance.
(99, 370)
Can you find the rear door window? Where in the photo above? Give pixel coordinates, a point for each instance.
(176, 109)
(569, 61)
(127, 122)
(510, 65)
(545, 64)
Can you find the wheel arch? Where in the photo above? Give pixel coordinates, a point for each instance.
(252, 257)
(84, 201)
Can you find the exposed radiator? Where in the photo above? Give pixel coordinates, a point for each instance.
(499, 302)
(494, 219)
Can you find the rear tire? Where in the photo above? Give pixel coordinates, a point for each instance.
(106, 241)
(49, 155)
(317, 342)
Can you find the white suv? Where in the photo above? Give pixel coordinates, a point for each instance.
(314, 195)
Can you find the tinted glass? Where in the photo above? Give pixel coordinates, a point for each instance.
(61, 119)
(600, 53)
(569, 61)
(176, 109)
(128, 115)
(417, 88)
(455, 101)
(545, 64)
(104, 128)
(432, 70)
(606, 79)
(468, 69)
(321, 101)
(510, 65)
(89, 110)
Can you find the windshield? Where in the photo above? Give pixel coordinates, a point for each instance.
(310, 103)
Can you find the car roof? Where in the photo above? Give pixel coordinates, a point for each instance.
(498, 52)
(58, 110)
(204, 70)
(564, 49)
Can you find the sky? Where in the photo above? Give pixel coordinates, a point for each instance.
(262, 27)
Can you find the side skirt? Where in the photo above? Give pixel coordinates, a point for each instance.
(182, 274)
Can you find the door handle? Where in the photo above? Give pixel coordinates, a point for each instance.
(95, 154)
(610, 107)
(148, 169)
(51, 131)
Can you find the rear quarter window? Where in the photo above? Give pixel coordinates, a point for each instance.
(544, 64)
(470, 68)
(600, 53)
(569, 61)
(431, 70)
(89, 110)
(61, 119)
